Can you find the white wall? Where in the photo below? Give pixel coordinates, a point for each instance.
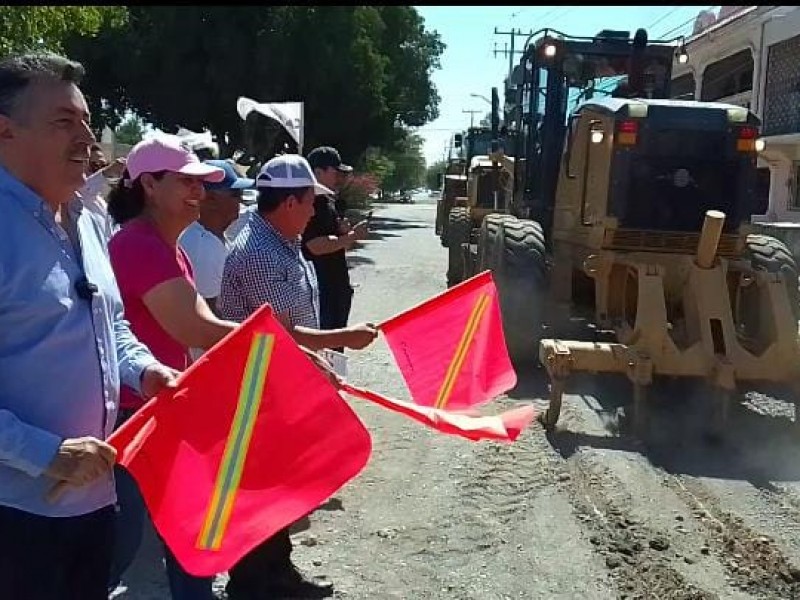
(756, 31)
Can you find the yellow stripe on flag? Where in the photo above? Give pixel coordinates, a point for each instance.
(460, 354)
(233, 458)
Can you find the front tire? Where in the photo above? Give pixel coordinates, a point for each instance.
(458, 231)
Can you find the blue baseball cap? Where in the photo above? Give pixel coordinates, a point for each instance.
(231, 181)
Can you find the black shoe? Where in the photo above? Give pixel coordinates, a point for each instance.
(293, 584)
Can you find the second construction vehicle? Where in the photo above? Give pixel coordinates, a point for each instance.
(472, 147)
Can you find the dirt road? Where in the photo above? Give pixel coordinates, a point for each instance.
(587, 512)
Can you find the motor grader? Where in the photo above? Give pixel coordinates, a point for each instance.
(455, 191)
(485, 184)
(631, 215)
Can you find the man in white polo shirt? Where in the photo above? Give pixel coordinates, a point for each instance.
(204, 240)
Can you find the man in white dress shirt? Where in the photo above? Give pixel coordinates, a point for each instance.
(204, 240)
(98, 184)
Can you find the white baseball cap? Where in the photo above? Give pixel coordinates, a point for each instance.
(290, 171)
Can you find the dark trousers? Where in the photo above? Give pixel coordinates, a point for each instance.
(335, 302)
(268, 560)
(55, 558)
(129, 526)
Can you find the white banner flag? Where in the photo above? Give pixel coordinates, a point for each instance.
(288, 114)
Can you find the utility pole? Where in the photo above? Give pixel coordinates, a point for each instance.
(510, 52)
(472, 114)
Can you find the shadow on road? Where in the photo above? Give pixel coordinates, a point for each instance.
(390, 224)
(378, 235)
(354, 260)
(757, 447)
(332, 504)
(388, 227)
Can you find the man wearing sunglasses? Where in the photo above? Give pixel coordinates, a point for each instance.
(204, 240)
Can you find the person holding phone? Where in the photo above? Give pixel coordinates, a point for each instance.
(328, 237)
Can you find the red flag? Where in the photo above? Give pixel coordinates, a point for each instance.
(253, 439)
(451, 349)
(504, 427)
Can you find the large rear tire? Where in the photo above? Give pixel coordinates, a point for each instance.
(487, 240)
(771, 254)
(767, 253)
(458, 231)
(521, 278)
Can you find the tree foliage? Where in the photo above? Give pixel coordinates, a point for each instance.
(357, 190)
(362, 71)
(434, 173)
(130, 131)
(24, 28)
(379, 165)
(409, 164)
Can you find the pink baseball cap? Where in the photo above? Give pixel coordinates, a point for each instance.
(167, 153)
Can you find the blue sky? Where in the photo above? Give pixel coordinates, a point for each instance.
(468, 65)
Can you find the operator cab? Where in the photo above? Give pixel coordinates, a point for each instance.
(559, 72)
(671, 161)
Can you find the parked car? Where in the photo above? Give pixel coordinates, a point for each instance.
(406, 197)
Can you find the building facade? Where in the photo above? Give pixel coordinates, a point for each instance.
(750, 56)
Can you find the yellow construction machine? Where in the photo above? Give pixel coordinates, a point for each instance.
(484, 184)
(631, 213)
(453, 187)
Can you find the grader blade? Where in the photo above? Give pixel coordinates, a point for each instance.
(709, 348)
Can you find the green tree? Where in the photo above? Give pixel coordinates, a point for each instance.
(130, 131)
(379, 165)
(434, 173)
(362, 71)
(409, 164)
(25, 28)
(414, 54)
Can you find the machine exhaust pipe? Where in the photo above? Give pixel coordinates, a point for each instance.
(709, 239)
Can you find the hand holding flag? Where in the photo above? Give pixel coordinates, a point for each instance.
(451, 349)
(221, 476)
(452, 355)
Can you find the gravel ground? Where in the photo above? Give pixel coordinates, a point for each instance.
(586, 512)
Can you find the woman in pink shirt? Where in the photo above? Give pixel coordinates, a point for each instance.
(156, 200)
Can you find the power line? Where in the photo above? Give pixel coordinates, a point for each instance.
(471, 114)
(551, 12)
(675, 30)
(509, 52)
(664, 16)
(561, 16)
